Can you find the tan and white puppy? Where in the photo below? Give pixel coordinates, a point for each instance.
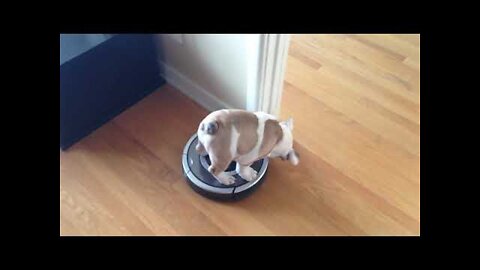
(244, 137)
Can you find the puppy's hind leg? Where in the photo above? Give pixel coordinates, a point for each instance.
(293, 157)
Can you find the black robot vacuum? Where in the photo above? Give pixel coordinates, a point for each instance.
(195, 169)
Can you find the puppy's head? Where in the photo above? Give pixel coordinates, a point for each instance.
(209, 127)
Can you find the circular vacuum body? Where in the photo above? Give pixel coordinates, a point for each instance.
(195, 169)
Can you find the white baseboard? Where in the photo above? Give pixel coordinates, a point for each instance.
(192, 89)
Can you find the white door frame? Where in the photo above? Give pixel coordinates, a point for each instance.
(273, 53)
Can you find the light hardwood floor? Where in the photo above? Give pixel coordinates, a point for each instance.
(355, 101)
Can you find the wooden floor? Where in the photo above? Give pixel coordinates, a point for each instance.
(355, 101)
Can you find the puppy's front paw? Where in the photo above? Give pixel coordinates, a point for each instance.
(226, 179)
(200, 149)
(248, 173)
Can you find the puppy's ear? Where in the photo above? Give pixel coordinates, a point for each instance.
(289, 123)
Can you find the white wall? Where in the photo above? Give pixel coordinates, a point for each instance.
(216, 70)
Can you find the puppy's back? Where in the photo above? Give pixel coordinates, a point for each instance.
(246, 124)
(272, 134)
(250, 134)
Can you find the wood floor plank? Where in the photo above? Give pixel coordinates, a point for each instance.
(301, 56)
(392, 107)
(363, 88)
(376, 42)
(312, 82)
(136, 185)
(390, 43)
(330, 51)
(375, 50)
(413, 39)
(163, 123)
(404, 74)
(349, 202)
(355, 135)
(342, 147)
(85, 209)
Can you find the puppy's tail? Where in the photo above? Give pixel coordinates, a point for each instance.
(210, 127)
(293, 157)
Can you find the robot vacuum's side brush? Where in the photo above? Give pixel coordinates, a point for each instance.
(195, 169)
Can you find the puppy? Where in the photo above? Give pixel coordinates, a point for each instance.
(244, 137)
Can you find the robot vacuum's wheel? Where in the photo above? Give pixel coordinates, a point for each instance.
(195, 169)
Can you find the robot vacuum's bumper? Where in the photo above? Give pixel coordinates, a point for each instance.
(195, 169)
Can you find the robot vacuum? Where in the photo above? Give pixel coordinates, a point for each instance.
(195, 169)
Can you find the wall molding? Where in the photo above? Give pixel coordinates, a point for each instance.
(272, 64)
